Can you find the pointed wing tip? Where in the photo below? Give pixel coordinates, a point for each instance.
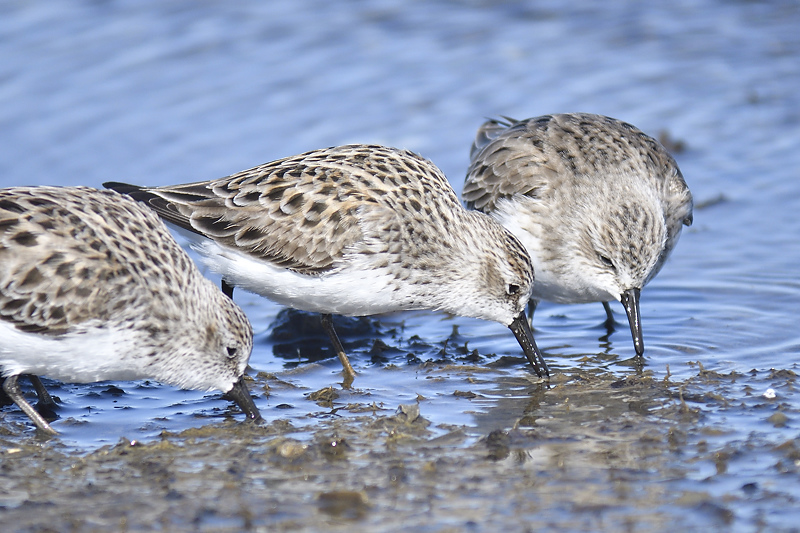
(122, 188)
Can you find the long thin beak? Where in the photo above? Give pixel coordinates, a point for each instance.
(241, 396)
(630, 299)
(522, 331)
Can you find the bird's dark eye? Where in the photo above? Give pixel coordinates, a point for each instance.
(606, 261)
(232, 350)
(513, 288)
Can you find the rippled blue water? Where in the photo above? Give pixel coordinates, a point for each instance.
(159, 92)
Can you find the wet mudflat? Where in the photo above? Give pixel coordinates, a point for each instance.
(592, 451)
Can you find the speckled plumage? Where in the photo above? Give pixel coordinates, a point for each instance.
(598, 204)
(353, 230)
(93, 287)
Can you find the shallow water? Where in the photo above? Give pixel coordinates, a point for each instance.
(165, 92)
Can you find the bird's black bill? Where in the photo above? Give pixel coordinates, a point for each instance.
(522, 331)
(241, 396)
(630, 300)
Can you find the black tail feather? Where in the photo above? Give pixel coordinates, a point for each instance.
(122, 188)
(163, 207)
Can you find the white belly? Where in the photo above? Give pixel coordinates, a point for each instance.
(97, 355)
(356, 290)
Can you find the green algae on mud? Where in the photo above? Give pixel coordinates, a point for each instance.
(593, 451)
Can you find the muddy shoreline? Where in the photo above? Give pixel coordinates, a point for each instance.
(591, 452)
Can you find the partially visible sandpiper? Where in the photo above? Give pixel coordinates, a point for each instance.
(93, 287)
(598, 204)
(354, 230)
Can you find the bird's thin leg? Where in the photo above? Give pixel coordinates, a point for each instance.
(227, 289)
(532, 309)
(349, 373)
(610, 323)
(44, 397)
(11, 388)
(4, 399)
